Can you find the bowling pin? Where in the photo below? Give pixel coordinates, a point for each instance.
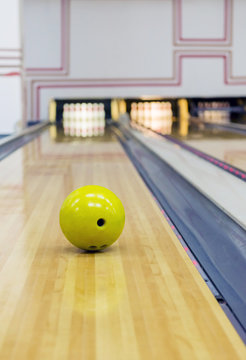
(102, 121)
(77, 119)
(89, 129)
(65, 118)
(72, 122)
(133, 113)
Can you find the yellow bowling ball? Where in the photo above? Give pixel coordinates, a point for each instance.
(92, 217)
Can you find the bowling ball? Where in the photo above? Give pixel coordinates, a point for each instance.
(92, 217)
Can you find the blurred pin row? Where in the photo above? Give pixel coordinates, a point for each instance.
(84, 119)
(154, 115)
(213, 104)
(214, 112)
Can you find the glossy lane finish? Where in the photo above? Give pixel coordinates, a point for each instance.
(231, 150)
(140, 299)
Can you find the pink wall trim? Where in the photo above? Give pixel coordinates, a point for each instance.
(14, 50)
(10, 65)
(179, 39)
(11, 74)
(10, 57)
(97, 83)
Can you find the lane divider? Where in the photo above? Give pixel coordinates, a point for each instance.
(240, 174)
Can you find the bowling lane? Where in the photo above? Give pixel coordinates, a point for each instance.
(207, 178)
(225, 146)
(140, 299)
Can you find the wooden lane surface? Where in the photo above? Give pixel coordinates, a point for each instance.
(141, 299)
(232, 151)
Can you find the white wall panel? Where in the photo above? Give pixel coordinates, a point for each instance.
(131, 48)
(10, 103)
(42, 33)
(9, 23)
(121, 39)
(202, 19)
(203, 71)
(10, 65)
(239, 38)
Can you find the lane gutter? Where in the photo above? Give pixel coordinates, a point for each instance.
(240, 174)
(215, 243)
(9, 144)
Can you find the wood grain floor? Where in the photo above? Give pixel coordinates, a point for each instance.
(141, 299)
(232, 151)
